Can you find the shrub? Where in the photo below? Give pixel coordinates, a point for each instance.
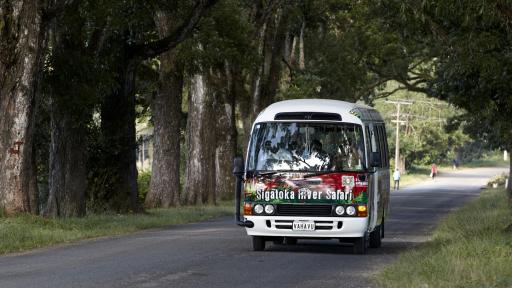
(498, 180)
(143, 184)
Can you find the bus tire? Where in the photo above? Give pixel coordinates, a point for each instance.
(376, 237)
(290, 241)
(360, 245)
(258, 243)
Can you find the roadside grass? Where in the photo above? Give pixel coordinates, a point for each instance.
(472, 247)
(495, 160)
(24, 232)
(414, 175)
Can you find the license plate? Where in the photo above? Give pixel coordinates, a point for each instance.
(303, 226)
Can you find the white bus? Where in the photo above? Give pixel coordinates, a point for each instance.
(314, 169)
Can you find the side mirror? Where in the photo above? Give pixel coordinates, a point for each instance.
(238, 166)
(375, 159)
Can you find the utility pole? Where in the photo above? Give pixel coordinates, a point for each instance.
(398, 122)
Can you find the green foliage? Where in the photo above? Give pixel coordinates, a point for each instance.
(304, 85)
(458, 51)
(471, 248)
(143, 182)
(335, 66)
(224, 35)
(467, 44)
(498, 180)
(424, 139)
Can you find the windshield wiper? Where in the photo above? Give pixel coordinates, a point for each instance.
(313, 174)
(265, 173)
(296, 158)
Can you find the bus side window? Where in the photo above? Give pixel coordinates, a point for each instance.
(385, 141)
(375, 141)
(382, 146)
(368, 144)
(378, 138)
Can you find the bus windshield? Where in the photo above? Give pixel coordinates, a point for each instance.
(307, 147)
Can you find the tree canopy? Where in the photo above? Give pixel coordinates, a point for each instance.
(199, 71)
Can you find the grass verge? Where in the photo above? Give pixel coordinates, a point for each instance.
(470, 248)
(23, 232)
(414, 175)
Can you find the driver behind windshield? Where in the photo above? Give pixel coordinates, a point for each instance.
(318, 158)
(274, 157)
(308, 147)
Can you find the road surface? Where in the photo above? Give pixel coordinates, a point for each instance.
(218, 254)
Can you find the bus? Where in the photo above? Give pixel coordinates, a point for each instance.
(314, 168)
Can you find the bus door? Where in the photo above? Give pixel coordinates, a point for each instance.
(383, 171)
(378, 144)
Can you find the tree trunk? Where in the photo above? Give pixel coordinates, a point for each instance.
(68, 173)
(21, 38)
(292, 53)
(302, 62)
(262, 75)
(288, 47)
(274, 76)
(33, 192)
(509, 187)
(200, 172)
(69, 117)
(166, 107)
(118, 132)
(272, 65)
(226, 138)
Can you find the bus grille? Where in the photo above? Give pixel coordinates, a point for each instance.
(303, 210)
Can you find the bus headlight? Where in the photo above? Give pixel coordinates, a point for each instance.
(339, 210)
(269, 209)
(351, 210)
(258, 208)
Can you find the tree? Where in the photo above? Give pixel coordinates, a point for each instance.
(22, 34)
(129, 46)
(467, 47)
(74, 79)
(222, 56)
(427, 135)
(166, 107)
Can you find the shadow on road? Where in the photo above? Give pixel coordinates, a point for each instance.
(334, 247)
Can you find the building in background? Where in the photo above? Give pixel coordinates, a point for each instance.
(144, 146)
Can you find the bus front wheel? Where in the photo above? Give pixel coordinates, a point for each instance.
(258, 243)
(360, 245)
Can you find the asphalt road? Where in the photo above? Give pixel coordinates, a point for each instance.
(218, 254)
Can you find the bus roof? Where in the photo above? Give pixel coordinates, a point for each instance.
(349, 112)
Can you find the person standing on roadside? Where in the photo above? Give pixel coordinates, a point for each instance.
(396, 177)
(433, 171)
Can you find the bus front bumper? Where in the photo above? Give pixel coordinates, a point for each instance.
(325, 227)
